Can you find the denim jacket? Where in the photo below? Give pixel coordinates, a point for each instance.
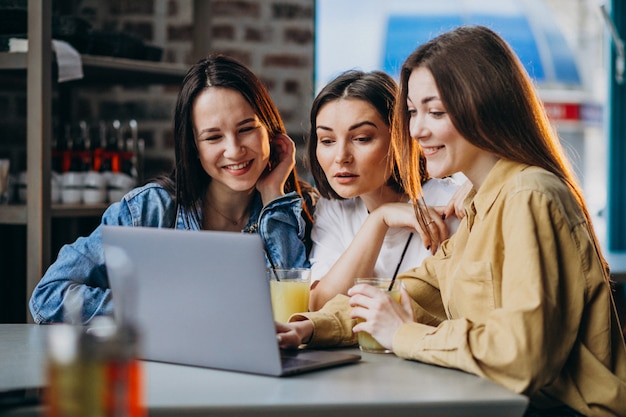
(80, 265)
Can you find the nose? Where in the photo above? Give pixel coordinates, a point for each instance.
(343, 153)
(417, 127)
(233, 148)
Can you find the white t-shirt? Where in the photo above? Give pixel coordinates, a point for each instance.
(336, 222)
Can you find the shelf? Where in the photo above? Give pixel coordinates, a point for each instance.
(109, 70)
(16, 213)
(78, 210)
(12, 214)
(36, 72)
(13, 60)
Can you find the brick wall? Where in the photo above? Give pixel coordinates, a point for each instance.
(273, 37)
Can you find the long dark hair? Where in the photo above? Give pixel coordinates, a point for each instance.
(376, 88)
(491, 102)
(189, 180)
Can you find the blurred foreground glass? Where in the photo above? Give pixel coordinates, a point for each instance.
(290, 289)
(366, 342)
(93, 371)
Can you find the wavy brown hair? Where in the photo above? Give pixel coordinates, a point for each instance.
(379, 90)
(189, 180)
(491, 102)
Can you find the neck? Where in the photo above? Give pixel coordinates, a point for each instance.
(383, 195)
(225, 210)
(480, 169)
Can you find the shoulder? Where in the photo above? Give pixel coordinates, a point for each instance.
(439, 191)
(539, 180)
(147, 205)
(539, 190)
(149, 193)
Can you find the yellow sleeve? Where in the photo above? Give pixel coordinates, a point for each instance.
(518, 295)
(332, 324)
(423, 287)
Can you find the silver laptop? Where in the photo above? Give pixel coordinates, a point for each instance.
(202, 298)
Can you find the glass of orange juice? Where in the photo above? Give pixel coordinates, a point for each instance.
(366, 342)
(290, 289)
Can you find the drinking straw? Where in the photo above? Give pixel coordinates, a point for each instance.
(272, 265)
(395, 274)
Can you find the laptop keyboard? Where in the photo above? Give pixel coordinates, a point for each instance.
(292, 361)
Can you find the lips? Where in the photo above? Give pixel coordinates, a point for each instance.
(431, 150)
(345, 177)
(238, 167)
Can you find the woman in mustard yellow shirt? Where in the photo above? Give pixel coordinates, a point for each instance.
(521, 293)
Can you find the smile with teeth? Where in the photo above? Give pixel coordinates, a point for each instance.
(235, 167)
(431, 149)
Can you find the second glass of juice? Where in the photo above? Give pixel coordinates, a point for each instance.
(290, 289)
(366, 342)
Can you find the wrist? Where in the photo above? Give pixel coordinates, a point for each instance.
(305, 331)
(378, 220)
(267, 196)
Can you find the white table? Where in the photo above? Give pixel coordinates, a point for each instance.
(380, 385)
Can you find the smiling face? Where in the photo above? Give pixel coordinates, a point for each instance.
(233, 146)
(352, 148)
(446, 151)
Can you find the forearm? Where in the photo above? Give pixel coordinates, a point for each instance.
(332, 326)
(73, 269)
(358, 260)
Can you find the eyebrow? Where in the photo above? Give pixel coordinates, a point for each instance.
(425, 100)
(354, 126)
(241, 123)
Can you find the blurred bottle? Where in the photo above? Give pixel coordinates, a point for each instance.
(75, 372)
(93, 370)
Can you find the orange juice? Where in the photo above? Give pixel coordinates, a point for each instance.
(289, 297)
(366, 342)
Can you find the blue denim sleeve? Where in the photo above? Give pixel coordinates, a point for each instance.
(80, 265)
(282, 229)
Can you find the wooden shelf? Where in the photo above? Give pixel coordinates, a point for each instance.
(13, 60)
(35, 72)
(101, 70)
(78, 210)
(16, 213)
(97, 70)
(13, 214)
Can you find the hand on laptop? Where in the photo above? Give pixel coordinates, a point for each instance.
(291, 335)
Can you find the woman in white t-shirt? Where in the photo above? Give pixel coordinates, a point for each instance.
(355, 172)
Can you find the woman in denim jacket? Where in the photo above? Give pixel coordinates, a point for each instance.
(234, 172)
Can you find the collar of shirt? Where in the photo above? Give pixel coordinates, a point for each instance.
(478, 203)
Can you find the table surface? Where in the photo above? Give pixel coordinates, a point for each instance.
(380, 384)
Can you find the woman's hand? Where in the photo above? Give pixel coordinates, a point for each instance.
(403, 215)
(383, 316)
(455, 206)
(271, 184)
(291, 335)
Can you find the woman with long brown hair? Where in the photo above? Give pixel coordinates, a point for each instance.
(520, 294)
(234, 171)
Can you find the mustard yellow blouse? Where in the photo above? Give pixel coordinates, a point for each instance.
(518, 295)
